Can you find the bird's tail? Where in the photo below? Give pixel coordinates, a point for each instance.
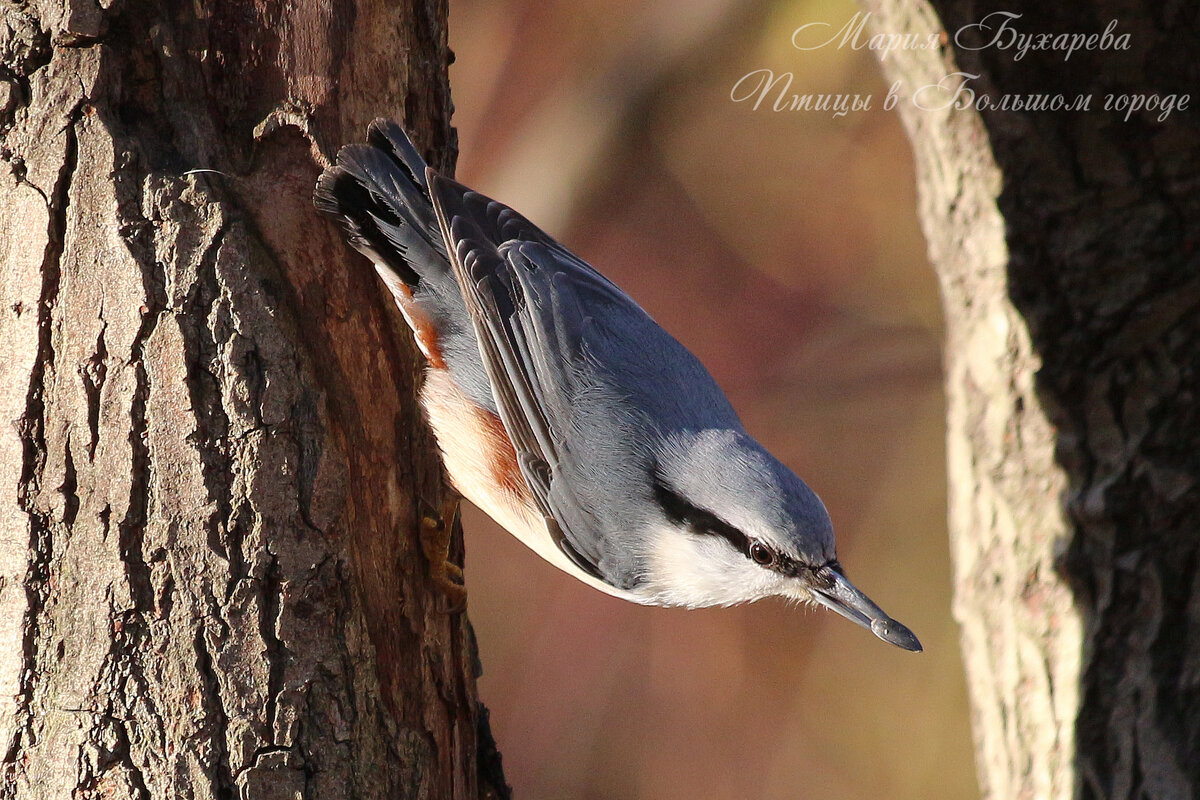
(379, 192)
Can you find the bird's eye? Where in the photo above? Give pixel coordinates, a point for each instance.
(761, 554)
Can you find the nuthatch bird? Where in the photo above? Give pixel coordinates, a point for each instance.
(569, 416)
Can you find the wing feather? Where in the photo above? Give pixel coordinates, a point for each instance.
(509, 303)
(581, 376)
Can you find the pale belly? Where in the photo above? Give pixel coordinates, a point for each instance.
(483, 468)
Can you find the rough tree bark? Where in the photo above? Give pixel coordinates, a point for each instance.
(1065, 243)
(211, 463)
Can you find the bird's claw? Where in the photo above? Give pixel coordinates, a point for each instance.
(436, 532)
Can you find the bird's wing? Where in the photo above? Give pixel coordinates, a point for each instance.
(528, 298)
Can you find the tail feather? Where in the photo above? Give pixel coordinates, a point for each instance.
(390, 137)
(379, 192)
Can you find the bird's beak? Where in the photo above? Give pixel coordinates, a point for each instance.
(831, 589)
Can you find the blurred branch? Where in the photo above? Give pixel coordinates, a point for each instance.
(1067, 271)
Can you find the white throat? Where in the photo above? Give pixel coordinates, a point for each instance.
(695, 570)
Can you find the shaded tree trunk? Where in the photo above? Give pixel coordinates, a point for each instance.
(1066, 247)
(211, 461)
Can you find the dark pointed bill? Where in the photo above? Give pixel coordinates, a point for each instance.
(839, 595)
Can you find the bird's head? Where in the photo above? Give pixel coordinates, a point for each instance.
(735, 525)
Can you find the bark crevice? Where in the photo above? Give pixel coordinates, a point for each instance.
(33, 434)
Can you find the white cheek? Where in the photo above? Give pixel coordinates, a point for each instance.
(693, 570)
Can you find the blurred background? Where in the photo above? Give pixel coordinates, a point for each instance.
(783, 249)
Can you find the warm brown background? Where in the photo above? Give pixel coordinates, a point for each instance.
(783, 248)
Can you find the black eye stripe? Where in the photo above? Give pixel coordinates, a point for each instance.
(682, 512)
(699, 520)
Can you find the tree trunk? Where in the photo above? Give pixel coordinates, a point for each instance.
(1065, 243)
(211, 461)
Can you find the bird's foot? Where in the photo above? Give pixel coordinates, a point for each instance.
(436, 532)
